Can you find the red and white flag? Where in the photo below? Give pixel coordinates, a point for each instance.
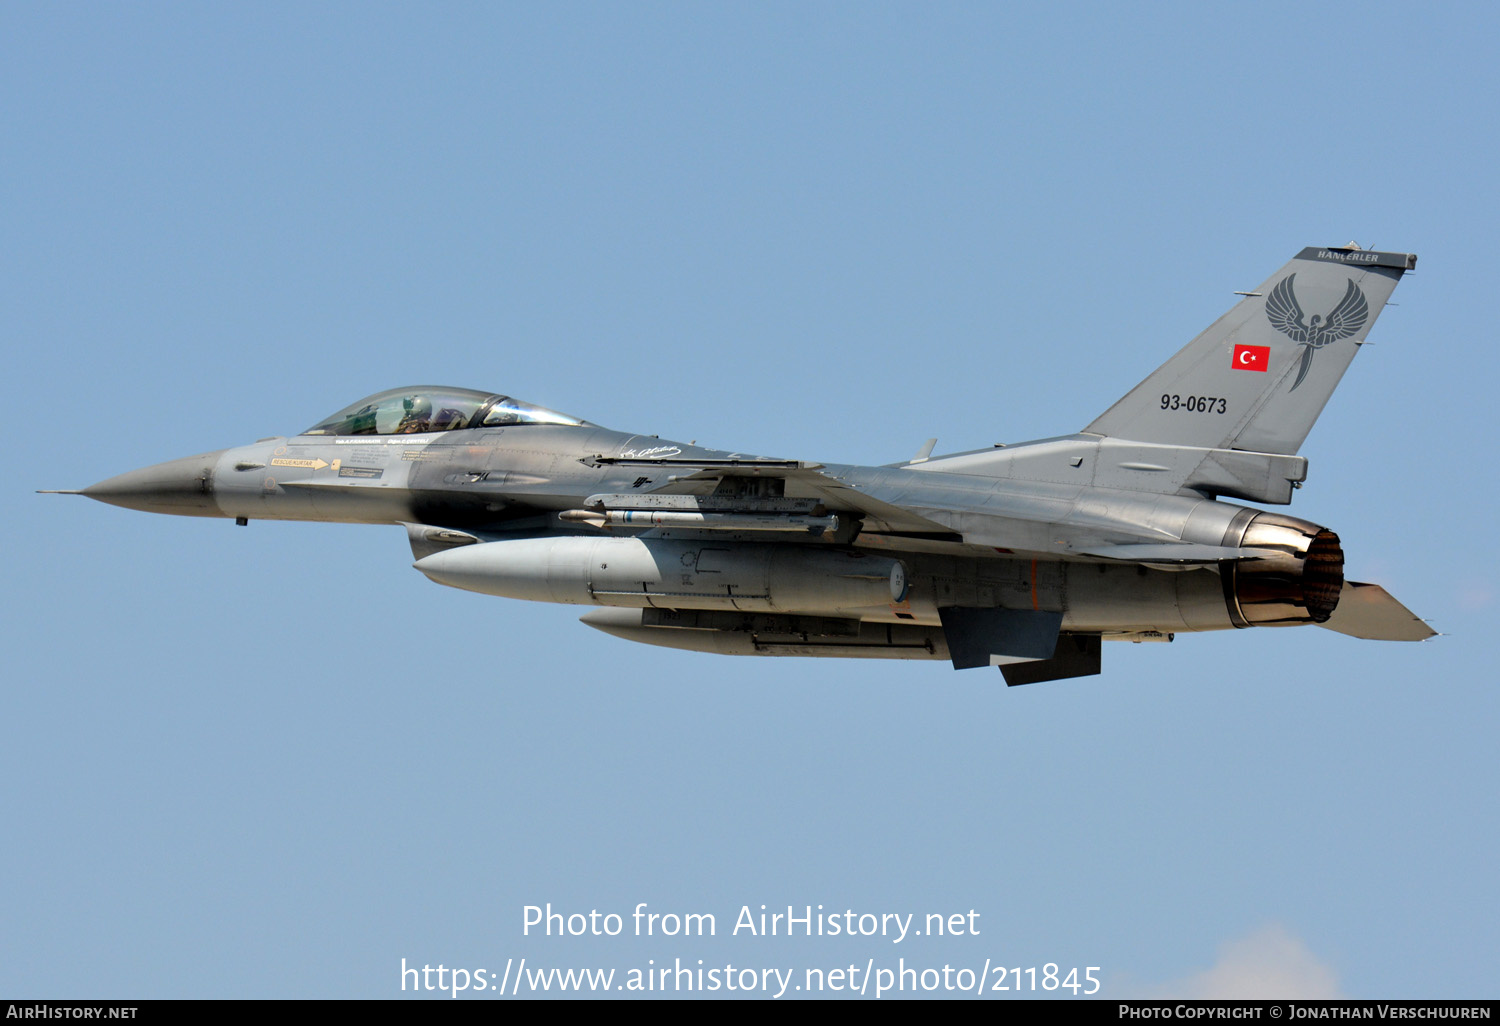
(1256, 358)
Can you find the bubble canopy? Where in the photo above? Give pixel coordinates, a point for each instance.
(426, 408)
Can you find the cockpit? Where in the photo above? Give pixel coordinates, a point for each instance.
(408, 411)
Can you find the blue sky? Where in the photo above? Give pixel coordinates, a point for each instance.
(274, 761)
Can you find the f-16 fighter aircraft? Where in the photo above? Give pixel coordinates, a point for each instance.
(1024, 556)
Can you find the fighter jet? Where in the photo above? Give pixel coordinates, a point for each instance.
(1026, 557)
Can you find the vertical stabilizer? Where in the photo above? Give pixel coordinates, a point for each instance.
(1260, 375)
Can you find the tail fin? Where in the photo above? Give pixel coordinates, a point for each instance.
(1260, 375)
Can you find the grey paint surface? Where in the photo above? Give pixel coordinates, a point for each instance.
(1002, 556)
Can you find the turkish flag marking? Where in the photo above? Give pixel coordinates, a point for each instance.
(1256, 358)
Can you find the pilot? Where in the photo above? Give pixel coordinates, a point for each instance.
(418, 415)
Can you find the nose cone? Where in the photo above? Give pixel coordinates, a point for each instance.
(184, 487)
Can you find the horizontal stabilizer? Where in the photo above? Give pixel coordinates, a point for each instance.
(1368, 611)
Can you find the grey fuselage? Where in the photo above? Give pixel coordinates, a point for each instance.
(1025, 557)
(990, 542)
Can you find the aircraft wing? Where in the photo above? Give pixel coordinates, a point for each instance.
(882, 517)
(1046, 531)
(801, 480)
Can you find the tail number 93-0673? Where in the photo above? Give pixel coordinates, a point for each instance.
(1194, 403)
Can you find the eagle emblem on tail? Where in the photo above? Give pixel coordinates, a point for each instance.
(1286, 316)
